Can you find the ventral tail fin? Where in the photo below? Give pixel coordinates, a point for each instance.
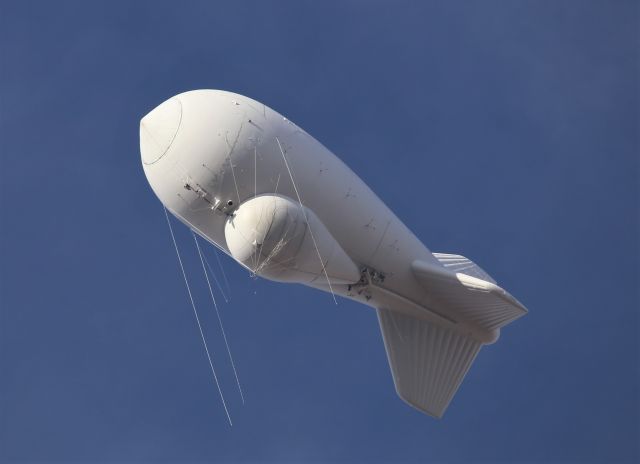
(428, 362)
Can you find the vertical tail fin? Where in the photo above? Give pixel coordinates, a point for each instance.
(428, 362)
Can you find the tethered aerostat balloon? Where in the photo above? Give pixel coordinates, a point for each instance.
(282, 205)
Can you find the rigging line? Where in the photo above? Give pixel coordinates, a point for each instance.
(227, 297)
(193, 305)
(215, 279)
(255, 191)
(215, 305)
(211, 242)
(260, 251)
(231, 149)
(233, 174)
(224, 274)
(277, 183)
(304, 213)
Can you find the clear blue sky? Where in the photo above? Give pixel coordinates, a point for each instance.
(506, 131)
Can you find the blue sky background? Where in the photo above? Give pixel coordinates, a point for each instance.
(506, 131)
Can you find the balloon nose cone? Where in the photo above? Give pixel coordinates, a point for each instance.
(158, 129)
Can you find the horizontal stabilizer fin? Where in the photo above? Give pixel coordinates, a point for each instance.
(458, 263)
(475, 300)
(428, 362)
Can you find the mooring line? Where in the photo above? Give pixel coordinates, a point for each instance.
(213, 274)
(193, 305)
(215, 305)
(224, 274)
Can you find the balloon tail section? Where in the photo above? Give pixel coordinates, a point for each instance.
(195, 312)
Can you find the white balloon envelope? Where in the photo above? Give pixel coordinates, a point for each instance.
(275, 199)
